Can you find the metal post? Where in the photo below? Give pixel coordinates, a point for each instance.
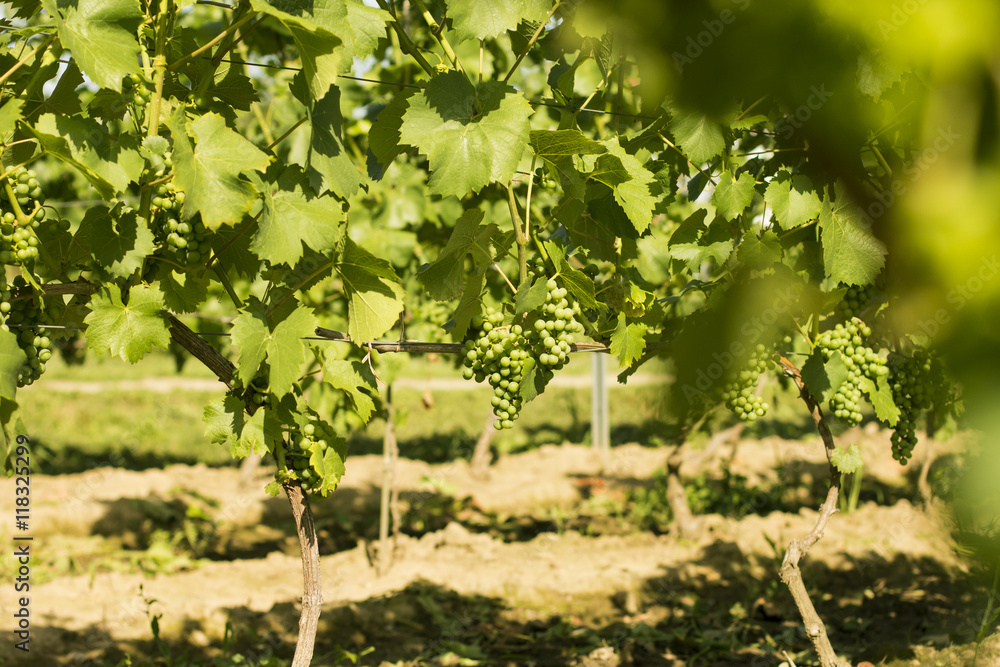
(600, 426)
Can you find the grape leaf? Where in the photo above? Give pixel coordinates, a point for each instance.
(329, 34)
(327, 163)
(700, 138)
(383, 139)
(209, 172)
(694, 254)
(851, 254)
(315, 27)
(119, 242)
(628, 341)
(374, 295)
(847, 461)
(86, 144)
(824, 379)
(10, 113)
(351, 377)
(330, 464)
(470, 137)
(12, 427)
(183, 291)
(880, 395)
(576, 281)
(549, 144)
(101, 36)
(629, 181)
(530, 295)
(129, 331)
(443, 278)
(485, 19)
(875, 75)
(228, 422)
(761, 252)
(291, 220)
(276, 337)
(732, 195)
(223, 419)
(532, 382)
(11, 360)
(792, 199)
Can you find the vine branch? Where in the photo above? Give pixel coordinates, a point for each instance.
(790, 573)
(312, 591)
(405, 43)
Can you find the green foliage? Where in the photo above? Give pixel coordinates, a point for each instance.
(472, 136)
(127, 330)
(414, 191)
(848, 461)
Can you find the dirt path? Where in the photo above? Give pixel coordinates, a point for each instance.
(890, 563)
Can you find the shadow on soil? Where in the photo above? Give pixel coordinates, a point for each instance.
(722, 608)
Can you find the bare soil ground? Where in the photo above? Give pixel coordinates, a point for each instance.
(534, 564)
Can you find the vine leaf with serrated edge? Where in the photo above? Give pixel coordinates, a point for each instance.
(733, 195)
(129, 331)
(443, 278)
(485, 19)
(628, 341)
(12, 358)
(291, 220)
(824, 378)
(851, 254)
(351, 377)
(276, 337)
(792, 199)
(374, 295)
(700, 138)
(209, 170)
(101, 36)
(847, 461)
(471, 137)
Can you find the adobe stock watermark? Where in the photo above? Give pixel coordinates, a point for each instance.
(912, 171)
(818, 96)
(959, 296)
(698, 43)
(901, 13)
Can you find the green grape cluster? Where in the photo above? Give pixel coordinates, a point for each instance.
(856, 300)
(184, 241)
(18, 240)
(909, 378)
(740, 392)
(134, 91)
(498, 353)
(551, 334)
(850, 340)
(23, 317)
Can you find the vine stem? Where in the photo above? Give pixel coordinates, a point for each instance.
(312, 591)
(522, 239)
(23, 61)
(527, 200)
(438, 33)
(405, 43)
(790, 573)
(159, 65)
(531, 42)
(505, 278)
(212, 42)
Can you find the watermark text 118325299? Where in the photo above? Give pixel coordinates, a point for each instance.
(22, 543)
